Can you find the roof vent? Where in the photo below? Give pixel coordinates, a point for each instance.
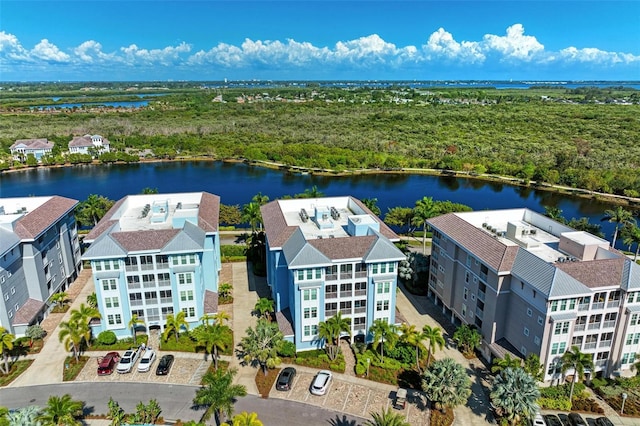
(561, 259)
(303, 215)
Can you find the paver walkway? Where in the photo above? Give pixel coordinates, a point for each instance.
(349, 358)
(47, 365)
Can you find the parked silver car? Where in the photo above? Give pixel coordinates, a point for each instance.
(321, 383)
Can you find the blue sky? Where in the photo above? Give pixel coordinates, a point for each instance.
(319, 40)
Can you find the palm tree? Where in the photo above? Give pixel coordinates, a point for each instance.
(383, 333)
(514, 395)
(6, 344)
(434, 338)
(386, 418)
(576, 361)
(467, 338)
(245, 419)
(312, 192)
(330, 331)
(500, 364)
(92, 300)
(72, 334)
(133, 324)
(260, 199)
(25, 416)
(62, 411)
(619, 216)
(424, 209)
(533, 367)
(446, 383)
(261, 344)
(93, 209)
(630, 234)
(213, 337)
(222, 317)
(174, 324)
(218, 393)
(60, 299)
(636, 365)
(554, 213)
(372, 204)
(251, 214)
(410, 335)
(263, 306)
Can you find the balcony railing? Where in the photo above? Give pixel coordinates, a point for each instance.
(166, 300)
(135, 302)
(361, 274)
(359, 326)
(162, 265)
(146, 266)
(579, 327)
(345, 311)
(481, 296)
(609, 324)
(583, 307)
(360, 310)
(590, 345)
(613, 304)
(594, 326)
(164, 283)
(479, 313)
(346, 275)
(601, 363)
(599, 305)
(331, 277)
(152, 301)
(331, 295)
(329, 313)
(153, 318)
(345, 293)
(131, 268)
(149, 284)
(605, 344)
(361, 292)
(483, 276)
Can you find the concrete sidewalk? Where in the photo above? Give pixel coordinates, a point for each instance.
(48, 364)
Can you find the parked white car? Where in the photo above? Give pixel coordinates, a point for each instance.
(321, 382)
(146, 361)
(128, 360)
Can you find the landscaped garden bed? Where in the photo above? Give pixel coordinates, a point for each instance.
(73, 367)
(265, 382)
(15, 370)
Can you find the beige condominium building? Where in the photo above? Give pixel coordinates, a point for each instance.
(533, 285)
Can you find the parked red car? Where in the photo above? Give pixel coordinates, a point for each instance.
(107, 363)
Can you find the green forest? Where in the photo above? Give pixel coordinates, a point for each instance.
(586, 138)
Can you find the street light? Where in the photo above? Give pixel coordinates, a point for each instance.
(624, 398)
(368, 362)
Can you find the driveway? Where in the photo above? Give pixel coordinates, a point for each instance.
(351, 395)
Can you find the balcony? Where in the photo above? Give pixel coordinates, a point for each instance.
(361, 274)
(166, 300)
(149, 284)
(579, 327)
(346, 275)
(361, 292)
(605, 344)
(164, 265)
(590, 345)
(360, 310)
(133, 286)
(135, 302)
(346, 293)
(599, 305)
(483, 276)
(147, 266)
(153, 301)
(164, 283)
(613, 304)
(359, 326)
(481, 296)
(331, 277)
(331, 295)
(609, 324)
(345, 311)
(594, 326)
(583, 307)
(131, 268)
(601, 363)
(330, 313)
(479, 313)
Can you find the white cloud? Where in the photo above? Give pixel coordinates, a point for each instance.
(596, 56)
(11, 48)
(167, 56)
(49, 52)
(514, 45)
(442, 44)
(91, 51)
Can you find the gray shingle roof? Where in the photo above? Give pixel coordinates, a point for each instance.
(27, 312)
(595, 273)
(144, 240)
(210, 302)
(489, 250)
(209, 212)
(41, 143)
(275, 225)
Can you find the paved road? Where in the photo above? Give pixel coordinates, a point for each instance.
(175, 401)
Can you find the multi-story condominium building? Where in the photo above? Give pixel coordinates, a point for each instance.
(154, 255)
(39, 256)
(83, 144)
(329, 255)
(22, 148)
(533, 285)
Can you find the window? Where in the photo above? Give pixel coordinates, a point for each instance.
(114, 319)
(536, 340)
(464, 310)
(186, 295)
(469, 260)
(331, 291)
(383, 287)
(526, 331)
(529, 312)
(628, 358)
(392, 267)
(382, 305)
(345, 307)
(109, 284)
(112, 302)
(563, 305)
(558, 348)
(635, 319)
(466, 276)
(330, 309)
(167, 310)
(310, 312)
(523, 350)
(97, 266)
(6, 296)
(185, 278)
(561, 328)
(13, 290)
(165, 294)
(374, 268)
(189, 312)
(554, 306)
(465, 293)
(310, 294)
(135, 297)
(138, 312)
(310, 330)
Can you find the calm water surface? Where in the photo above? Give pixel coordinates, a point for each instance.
(236, 183)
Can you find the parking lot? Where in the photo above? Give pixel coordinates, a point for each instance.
(184, 371)
(352, 398)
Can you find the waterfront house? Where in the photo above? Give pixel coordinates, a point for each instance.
(532, 285)
(329, 255)
(89, 144)
(154, 255)
(22, 148)
(39, 256)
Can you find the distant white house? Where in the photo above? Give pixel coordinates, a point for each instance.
(81, 144)
(36, 147)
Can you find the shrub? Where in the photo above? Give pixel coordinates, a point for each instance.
(598, 382)
(586, 404)
(107, 337)
(233, 250)
(403, 353)
(359, 347)
(561, 403)
(288, 349)
(361, 368)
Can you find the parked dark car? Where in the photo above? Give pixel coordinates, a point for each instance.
(552, 420)
(285, 379)
(164, 365)
(107, 363)
(576, 420)
(564, 419)
(603, 421)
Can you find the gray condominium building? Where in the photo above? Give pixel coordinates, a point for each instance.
(39, 256)
(533, 285)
